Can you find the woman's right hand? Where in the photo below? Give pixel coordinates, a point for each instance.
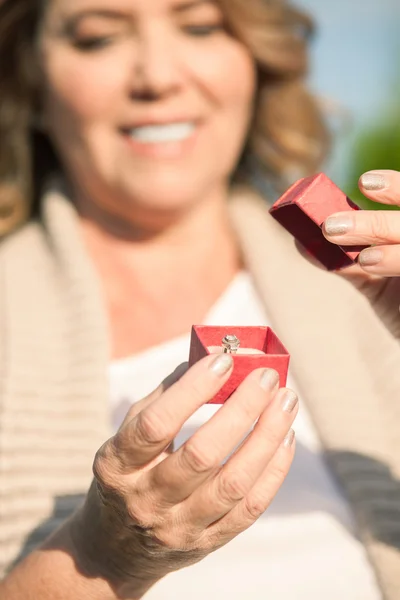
(149, 511)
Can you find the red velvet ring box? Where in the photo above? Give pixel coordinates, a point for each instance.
(303, 209)
(274, 355)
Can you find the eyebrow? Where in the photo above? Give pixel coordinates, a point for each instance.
(74, 19)
(190, 5)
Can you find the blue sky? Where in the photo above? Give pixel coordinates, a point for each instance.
(354, 58)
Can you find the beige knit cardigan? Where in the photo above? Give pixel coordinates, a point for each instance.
(53, 389)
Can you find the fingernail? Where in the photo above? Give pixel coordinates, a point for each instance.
(222, 364)
(370, 257)
(338, 225)
(374, 181)
(289, 401)
(289, 439)
(269, 379)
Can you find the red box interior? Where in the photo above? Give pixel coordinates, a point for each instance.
(262, 338)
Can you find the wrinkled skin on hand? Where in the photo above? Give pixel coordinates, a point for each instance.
(151, 510)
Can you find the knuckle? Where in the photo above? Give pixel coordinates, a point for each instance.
(277, 472)
(212, 542)
(203, 544)
(104, 468)
(149, 429)
(219, 536)
(140, 516)
(255, 505)
(166, 539)
(177, 539)
(133, 410)
(233, 487)
(197, 458)
(380, 227)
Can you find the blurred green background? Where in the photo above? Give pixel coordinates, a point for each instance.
(355, 70)
(375, 147)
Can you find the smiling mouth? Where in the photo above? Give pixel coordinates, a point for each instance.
(162, 134)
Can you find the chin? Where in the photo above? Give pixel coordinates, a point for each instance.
(166, 198)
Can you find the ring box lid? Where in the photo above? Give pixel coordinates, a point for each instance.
(274, 354)
(304, 208)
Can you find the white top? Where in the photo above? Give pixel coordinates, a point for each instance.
(304, 547)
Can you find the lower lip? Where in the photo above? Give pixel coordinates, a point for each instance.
(163, 150)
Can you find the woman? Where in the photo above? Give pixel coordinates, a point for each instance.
(150, 114)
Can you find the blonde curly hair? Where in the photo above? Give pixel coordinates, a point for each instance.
(288, 135)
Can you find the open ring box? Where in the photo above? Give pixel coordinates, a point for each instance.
(304, 208)
(259, 348)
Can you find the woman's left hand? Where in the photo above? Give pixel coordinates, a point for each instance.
(377, 273)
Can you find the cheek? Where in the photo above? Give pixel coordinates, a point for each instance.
(229, 76)
(80, 89)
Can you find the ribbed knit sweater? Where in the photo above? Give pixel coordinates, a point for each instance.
(54, 353)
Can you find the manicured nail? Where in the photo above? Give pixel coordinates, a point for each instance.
(289, 439)
(374, 181)
(269, 379)
(289, 401)
(338, 225)
(222, 364)
(370, 257)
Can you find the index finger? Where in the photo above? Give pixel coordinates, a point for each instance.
(362, 228)
(151, 431)
(155, 394)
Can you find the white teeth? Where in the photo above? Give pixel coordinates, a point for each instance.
(156, 134)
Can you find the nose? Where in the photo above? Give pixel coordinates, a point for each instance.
(158, 69)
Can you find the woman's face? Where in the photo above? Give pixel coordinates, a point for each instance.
(147, 101)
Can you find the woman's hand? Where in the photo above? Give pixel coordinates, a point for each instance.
(378, 269)
(150, 512)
